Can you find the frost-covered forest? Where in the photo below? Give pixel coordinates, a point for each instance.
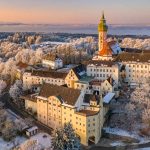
(30, 48)
(133, 113)
(143, 44)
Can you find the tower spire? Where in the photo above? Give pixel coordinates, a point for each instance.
(103, 16)
(104, 49)
(102, 25)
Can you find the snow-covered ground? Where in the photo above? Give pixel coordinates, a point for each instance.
(9, 145)
(42, 138)
(147, 148)
(117, 143)
(120, 132)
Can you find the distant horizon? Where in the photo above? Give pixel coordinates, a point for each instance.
(76, 28)
(61, 24)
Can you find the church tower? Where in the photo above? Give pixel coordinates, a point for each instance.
(105, 51)
(102, 32)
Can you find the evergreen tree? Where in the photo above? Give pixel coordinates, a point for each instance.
(65, 139)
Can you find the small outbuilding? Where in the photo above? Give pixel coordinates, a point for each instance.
(32, 131)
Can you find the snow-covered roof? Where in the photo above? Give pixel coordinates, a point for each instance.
(32, 129)
(108, 97)
(133, 84)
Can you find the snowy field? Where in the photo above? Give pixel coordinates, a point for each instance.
(147, 148)
(9, 145)
(42, 139)
(119, 132)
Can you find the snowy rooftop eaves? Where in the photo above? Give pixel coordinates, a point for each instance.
(108, 97)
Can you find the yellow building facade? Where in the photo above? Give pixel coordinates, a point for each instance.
(56, 107)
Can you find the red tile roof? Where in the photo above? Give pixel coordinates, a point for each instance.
(106, 50)
(22, 65)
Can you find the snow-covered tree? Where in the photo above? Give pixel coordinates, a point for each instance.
(2, 86)
(136, 43)
(31, 144)
(38, 40)
(9, 130)
(65, 139)
(16, 90)
(135, 112)
(3, 117)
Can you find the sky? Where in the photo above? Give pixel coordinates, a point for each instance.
(75, 11)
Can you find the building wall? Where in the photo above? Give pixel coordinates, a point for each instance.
(107, 87)
(84, 126)
(42, 110)
(54, 112)
(102, 39)
(105, 111)
(71, 78)
(29, 80)
(103, 72)
(136, 71)
(31, 105)
(80, 85)
(58, 63)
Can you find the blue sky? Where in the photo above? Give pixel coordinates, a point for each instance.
(75, 11)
